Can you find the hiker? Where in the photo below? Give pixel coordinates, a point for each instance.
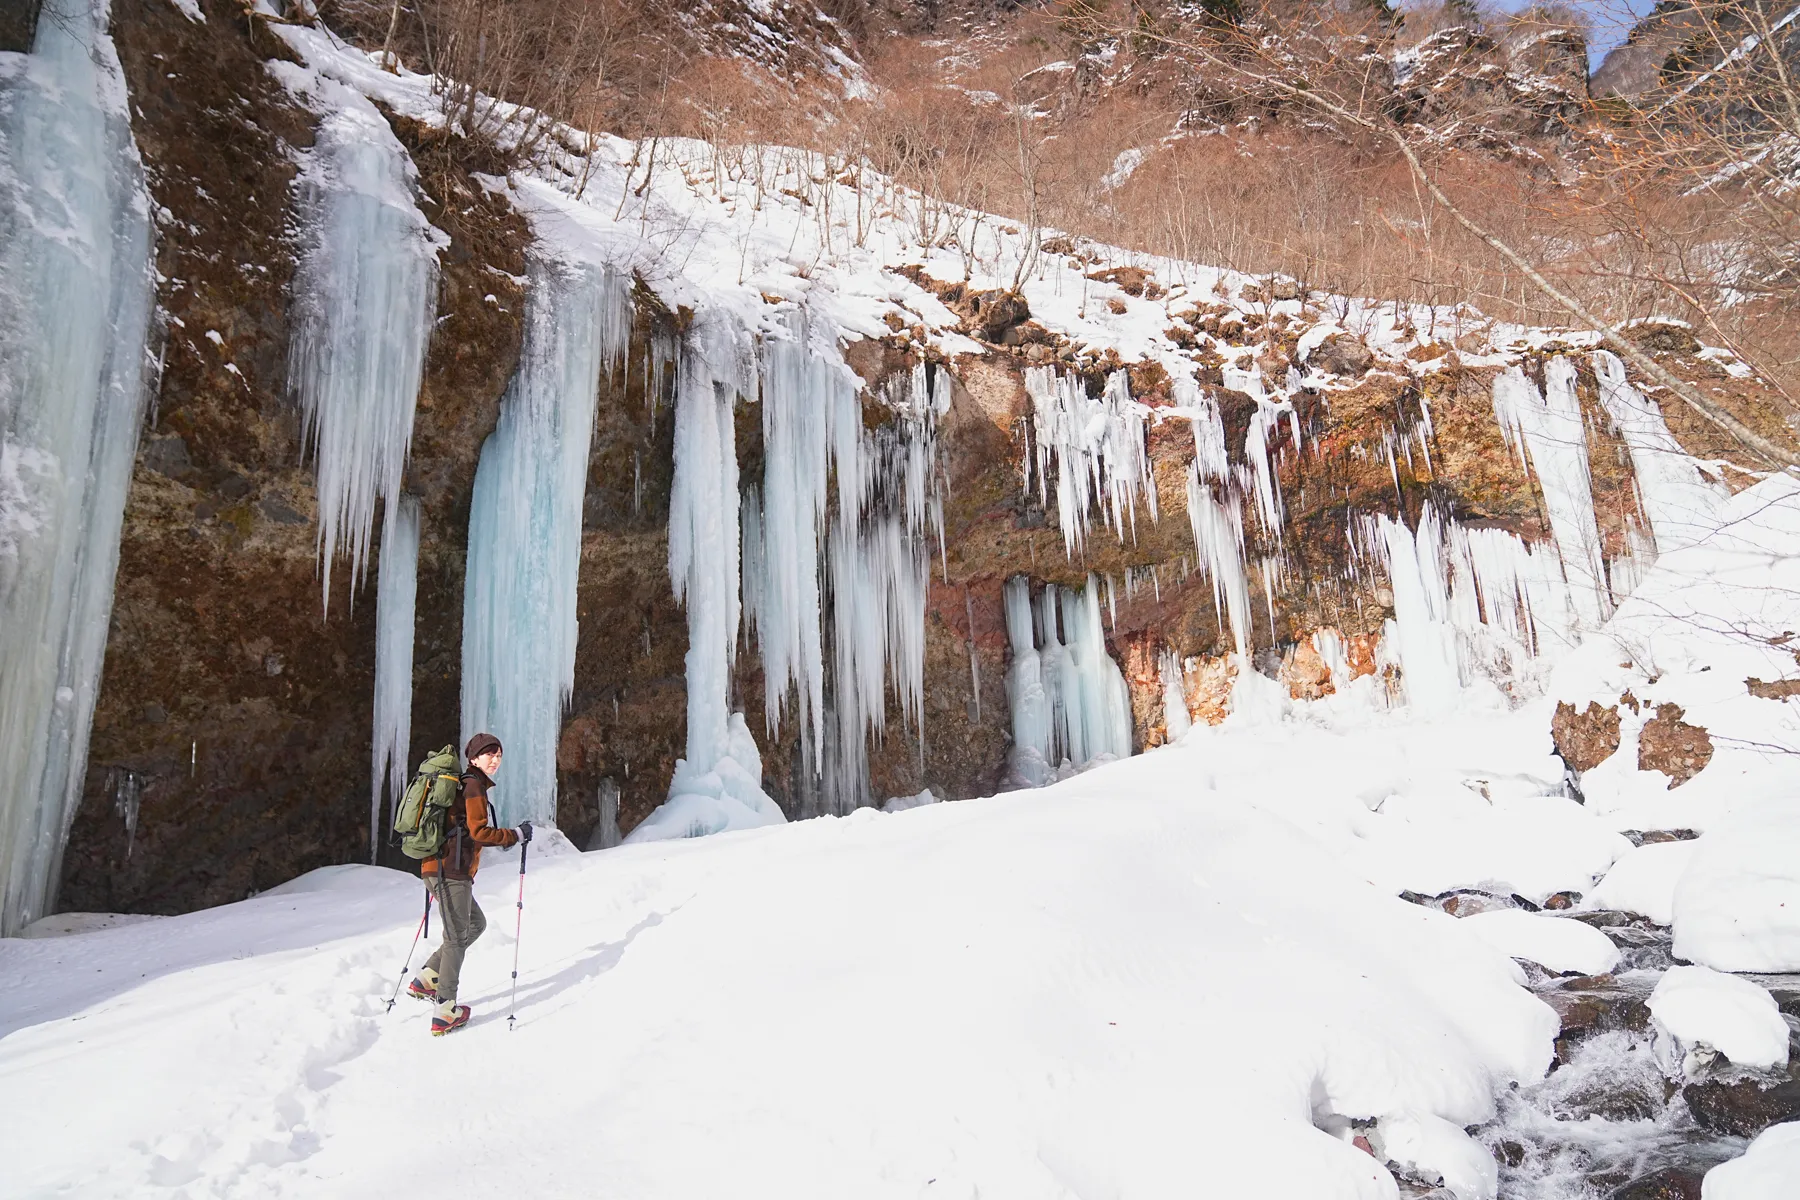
(450, 874)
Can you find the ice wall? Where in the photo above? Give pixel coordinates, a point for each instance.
(365, 291)
(1682, 504)
(76, 294)
(1546, 430)
(395, 598)
(519, 624)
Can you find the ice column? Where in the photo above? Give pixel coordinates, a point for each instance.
(1029, 760)
(76, 293)
(1548, 425)
(1681, 503)
(396, 595)
(1069, 701)
(1099, 450)
(519, 623)
(365, 290)
(718, 785)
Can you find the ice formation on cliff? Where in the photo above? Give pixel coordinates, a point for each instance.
(365, 292)
(519, 624)
(76, 293)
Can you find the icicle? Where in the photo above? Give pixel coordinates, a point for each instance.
(1682, 504)
(76, 293)
(365, 291)
(1549, 425)
(519, 622)
(395, 597)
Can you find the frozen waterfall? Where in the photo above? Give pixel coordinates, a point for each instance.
(1548, 426)
(76, 293)
(1070, 705)
(519, 623)
(1681, 503)
(365, 291)
(718, 785)
(396, 593)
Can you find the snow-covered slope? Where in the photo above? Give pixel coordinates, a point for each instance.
(1151, 977)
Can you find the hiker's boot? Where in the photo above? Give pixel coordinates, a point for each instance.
(449, 1017)
(423, 986)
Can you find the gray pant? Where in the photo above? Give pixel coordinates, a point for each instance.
(462, 922)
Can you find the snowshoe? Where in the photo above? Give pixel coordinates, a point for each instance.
(449, 1017)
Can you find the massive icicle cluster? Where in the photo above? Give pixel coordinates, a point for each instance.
(76, 291)
(396, 594)
(365, 290)
(1070, 705)
(1098, 449)
(718, 785)
(519, 624)
(835, 554)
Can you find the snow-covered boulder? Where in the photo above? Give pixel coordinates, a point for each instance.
(1701, 1007)
(1557, 943)
(1643, 881)
(1769, 1170)
(1737, 906)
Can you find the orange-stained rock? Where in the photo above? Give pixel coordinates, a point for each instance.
(1305, 672)
(1208, 682)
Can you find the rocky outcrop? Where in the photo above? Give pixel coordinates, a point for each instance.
(1587, 738)
(1672, 746)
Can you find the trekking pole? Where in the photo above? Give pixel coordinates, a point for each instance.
(424, 927)
(512, 1004)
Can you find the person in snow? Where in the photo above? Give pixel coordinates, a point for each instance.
(451, 877)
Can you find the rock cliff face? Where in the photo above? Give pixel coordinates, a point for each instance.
(231, 744)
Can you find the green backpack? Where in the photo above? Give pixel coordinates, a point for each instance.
(419, 825)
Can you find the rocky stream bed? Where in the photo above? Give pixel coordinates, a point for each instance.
(1623, 1114)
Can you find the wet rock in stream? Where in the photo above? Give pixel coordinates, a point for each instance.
(1670, 1183)
(1744, 1108)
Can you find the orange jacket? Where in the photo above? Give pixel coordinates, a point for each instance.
(469, 831)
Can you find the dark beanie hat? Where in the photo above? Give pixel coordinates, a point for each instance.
(480, 744)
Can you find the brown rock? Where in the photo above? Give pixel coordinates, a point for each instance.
(1742, 1109)
(1587, 738)
(1343, 354)
(1672, 746)
(1779, 689)
(1129, 280)
(1305, 673)
(1670, 1183)
(1208, 682)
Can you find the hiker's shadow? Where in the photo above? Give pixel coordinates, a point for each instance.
(589, 964)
